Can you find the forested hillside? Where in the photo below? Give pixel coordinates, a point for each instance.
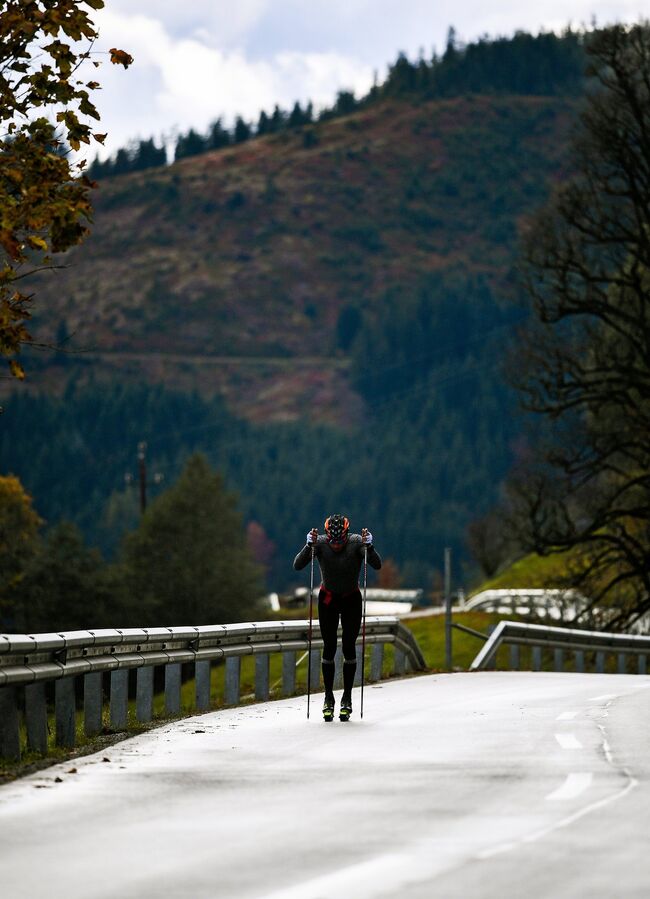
(322, 309)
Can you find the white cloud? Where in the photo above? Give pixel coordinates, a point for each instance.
(215, 22)
(198, 59)
(187, 83)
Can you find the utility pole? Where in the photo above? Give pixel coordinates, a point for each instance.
(448, 660)
(142, 476)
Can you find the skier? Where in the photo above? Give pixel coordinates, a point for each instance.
(340, 556)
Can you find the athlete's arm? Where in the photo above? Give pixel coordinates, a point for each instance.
(374, 559)
(304, 555)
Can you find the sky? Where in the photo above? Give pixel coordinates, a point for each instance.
(197, 60)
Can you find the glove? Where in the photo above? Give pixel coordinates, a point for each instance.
(366, 538)
(312, 536)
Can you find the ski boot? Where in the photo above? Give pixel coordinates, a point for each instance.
(328, 707)
(345, 709)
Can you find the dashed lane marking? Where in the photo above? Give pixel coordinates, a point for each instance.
(565, 822)
(575, 784)
(568, 741)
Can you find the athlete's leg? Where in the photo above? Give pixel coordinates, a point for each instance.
(328, 619)
(351, 611)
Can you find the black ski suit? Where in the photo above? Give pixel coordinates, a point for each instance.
(339, 597)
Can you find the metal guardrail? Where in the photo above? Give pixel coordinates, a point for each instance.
(562, 605)
(562, 639)
(30, 661)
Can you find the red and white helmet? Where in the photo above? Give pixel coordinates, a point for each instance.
(336, 528)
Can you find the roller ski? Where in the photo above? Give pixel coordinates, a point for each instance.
(345, 709)
(328, 708)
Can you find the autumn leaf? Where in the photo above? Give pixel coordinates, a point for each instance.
(44, 195)
(37, 243)
(120, 57)
(16, 369)
(10, 244)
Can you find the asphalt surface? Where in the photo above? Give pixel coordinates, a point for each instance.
(466, 785)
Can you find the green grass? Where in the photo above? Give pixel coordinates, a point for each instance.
(531, 571)
(430, 634)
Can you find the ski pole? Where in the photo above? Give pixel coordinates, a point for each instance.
(363, 631)
(311, 601)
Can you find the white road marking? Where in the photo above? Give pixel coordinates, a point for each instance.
(575, 784)
(388, 870)
(565, 822)
(566, 716)
(603, 698)
(568, 741)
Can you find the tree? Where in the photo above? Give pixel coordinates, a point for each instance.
(295, 116)
(348, 324)
(190, 144)
(188, 562)
(65, 586)
(19, 524)
(262, 548)
(242, 131)
(389, 576)
(586, 267)
(490, 541)
(263, 124)
(278, 120)
(218, 136)
(44, 194)
(345, 103)
(147, 155)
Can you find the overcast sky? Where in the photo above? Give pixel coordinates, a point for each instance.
(196, 60)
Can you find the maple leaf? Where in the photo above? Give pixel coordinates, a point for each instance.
(120, 57)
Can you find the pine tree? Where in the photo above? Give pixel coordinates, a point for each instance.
(189, 561)
(263, 124)
(242, 131)
(190, 144)
(218, 136)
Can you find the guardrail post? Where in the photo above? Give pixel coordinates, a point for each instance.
(64, 712)
(315, 669)
(262, 676)
(357, 673)
(93, 701)
(400, 662)
(233, 678)
(289, 672)
(558, 659)
(515, 656)
(119, 700)
(622, 663)
(600, 662)
(537, 658)
(202, 682)
(36, 717)
(338, 668)
(9, 729)
(641, 665)
(376, 661)
(580, 660)
(173, 688)
(144, 693)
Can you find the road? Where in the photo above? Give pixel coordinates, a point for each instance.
(489, 784)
